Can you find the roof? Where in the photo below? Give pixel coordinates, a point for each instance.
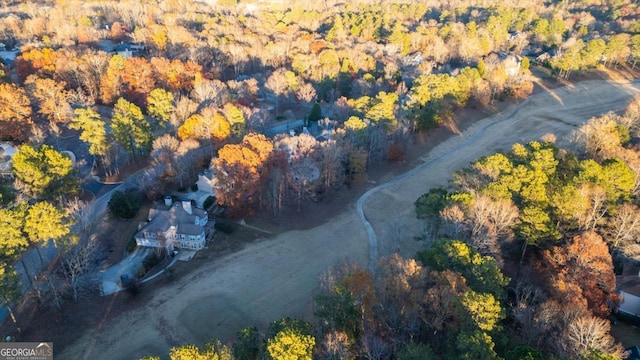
(176, 213)
(629, 280)
(162, 218)
(628, 285)
(190, 229)
(156, 226)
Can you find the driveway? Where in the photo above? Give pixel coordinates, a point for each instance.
(128, 266)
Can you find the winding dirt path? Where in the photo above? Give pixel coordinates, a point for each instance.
(276, 277)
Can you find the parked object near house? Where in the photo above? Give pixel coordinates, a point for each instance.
(628, 286)
(172, 226)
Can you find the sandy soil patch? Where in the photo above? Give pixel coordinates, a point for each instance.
(273, 278)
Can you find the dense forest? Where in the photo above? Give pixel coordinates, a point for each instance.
(177, 87)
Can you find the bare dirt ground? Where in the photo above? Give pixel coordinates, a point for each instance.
(266, 280)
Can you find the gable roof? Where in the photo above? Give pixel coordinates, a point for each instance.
(629, 280)
(162, 218)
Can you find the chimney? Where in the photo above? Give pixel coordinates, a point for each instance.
(186, 205)
(168, 201)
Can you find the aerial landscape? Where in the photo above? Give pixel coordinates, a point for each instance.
(269, 179)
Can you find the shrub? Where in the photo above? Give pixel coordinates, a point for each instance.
(125, 204)
(316, 112)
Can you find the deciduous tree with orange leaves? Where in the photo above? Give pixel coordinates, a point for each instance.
(241, 171)
(582, 272)
(36, 61)
(15, 113)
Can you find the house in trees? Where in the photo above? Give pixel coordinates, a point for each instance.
(628, 285)
(172, 226)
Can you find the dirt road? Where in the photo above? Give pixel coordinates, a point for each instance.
(276, 277)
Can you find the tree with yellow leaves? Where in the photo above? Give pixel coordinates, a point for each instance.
(290, 345)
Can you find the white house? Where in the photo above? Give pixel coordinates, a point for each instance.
(173, 226)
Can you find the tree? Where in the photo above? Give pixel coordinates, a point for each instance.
(15, 113)
(481, 272)
(241, 170)
(195, 127)
(600, 137)
(338, 309)
(415, 352)
(45, 222)
(289, 344)
(187, 352)
(582, 270)
(12, 239)
(9, 290)
(137, 80)
(93, 129)
(484, 310)
(236, 120)
(160, 106)
(52, 100)
(247, 345)
(175, 75)
(78, 264)
(588, 334)
(130, 129)
(44, 172)
(475, 345)
(383, 110)
(124, 204)
(36, 61)
(429, 205)
(356, 131)
(316, 113)
(635, 49)
(277, 83)
(164, 151)
(617, 49)
(219, 127)
(624, 230)
(111, 80)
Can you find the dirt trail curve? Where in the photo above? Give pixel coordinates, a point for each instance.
(274, 278)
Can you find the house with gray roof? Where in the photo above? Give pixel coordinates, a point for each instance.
(628, 286)
(172, 226)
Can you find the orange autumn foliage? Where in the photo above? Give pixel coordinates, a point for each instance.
(241, 171)
(582, 272)
(36, 61)
(15, 113)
